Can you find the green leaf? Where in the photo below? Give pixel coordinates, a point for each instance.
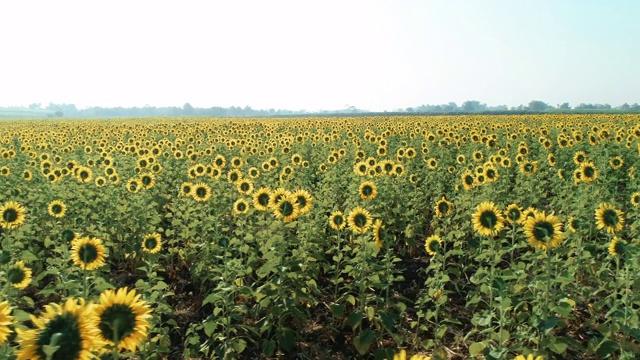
(210, 327)
(363, 341)
(239, 345)
(337, 309)
(268, 348)
(606, 348)
(353, 320)
(558, 347)
(476, 348)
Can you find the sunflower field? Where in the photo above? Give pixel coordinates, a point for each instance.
(452, 237)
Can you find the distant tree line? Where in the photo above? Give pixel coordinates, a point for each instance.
(467, 107)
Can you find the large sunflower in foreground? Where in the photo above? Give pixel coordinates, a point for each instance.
(57, 208)
(359, 220)
(12, 215)
(5, 321)
(71, 326)
(543, 231)
(287, 208)
(19, 275)
(609, 218)
(152, 243)
(122, 319)
(487, 219)
(88, 253)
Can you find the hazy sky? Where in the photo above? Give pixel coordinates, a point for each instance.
(319, 54)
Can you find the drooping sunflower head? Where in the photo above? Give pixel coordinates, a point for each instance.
(152, 243)
(487, 219)
(304, 200)
(368, 190)
(609, 218)
(201, 192)
(635, 199)
(241, 206)
(337, 220)
(12, 215)
(122, 319)
(359, 220)
(71, 326)
(543, 231)
(57, 208)
(6, 320)
(433, 244)
(88, 253)
(443, 207)
(19, 276)
(617, 246)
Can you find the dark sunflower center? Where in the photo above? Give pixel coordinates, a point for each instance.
(302, 201)
(388, 167)
(146, 180)
(263, 199)
(69, 340)
(338, 220)
(367, 190)
(10, 215)
(133, 186)
(68, 235)
(360, 220)
(543, 231)
(399, 170)
(589, 171)
(286, 208)
(242, 207)
(56, 209)
(488, 219)
(528, 167)
(234, 177)
(244, 186)
(616, 162)
(514, 214)
(117, 320)
(468, 180)
(443, 207)
(610, 217)
(201, 192)
(218, 162)
(15, 275)
(636, 199)
(362, 168)
(84, 174)
(434, 246)
(491, 173)
(88, 253)
(186, 189)
(150, 243)
(580, 158)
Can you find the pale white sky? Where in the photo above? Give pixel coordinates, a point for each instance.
(315, 55)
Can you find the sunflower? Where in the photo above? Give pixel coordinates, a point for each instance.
(72, 326)
(487, 219)
(616, 162)
(27, 175)
(337, 220)
(147, 180)
(588, 171)
(610, 218)
(468, 180)
(133, 185)
(88, 253)
(186, 189)
(359, 220)
(433, 244)
(635, 199)
(241, 206)
(19, 275)
(513, 214)
(152, 243)
(57, 208)
(443, 207)
(122, 319)
(491, 173)
(304, 200)
(573, 224)
(528, 167)
(6, 320)
(402, 355)
(234, 176)
(287, 208)
(543, 230)
(377, 233)
(617, 246)
(261, 199)
(245, 186)
(83, 174)
(201, 192)
(529, 357)
(277, 195)
(368, 190)
(579, 157)
(12, 215)
(100, 181)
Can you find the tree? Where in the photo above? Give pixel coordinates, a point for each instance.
(564, 106)
(473, 106)
(537, 105)
(187, 108)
